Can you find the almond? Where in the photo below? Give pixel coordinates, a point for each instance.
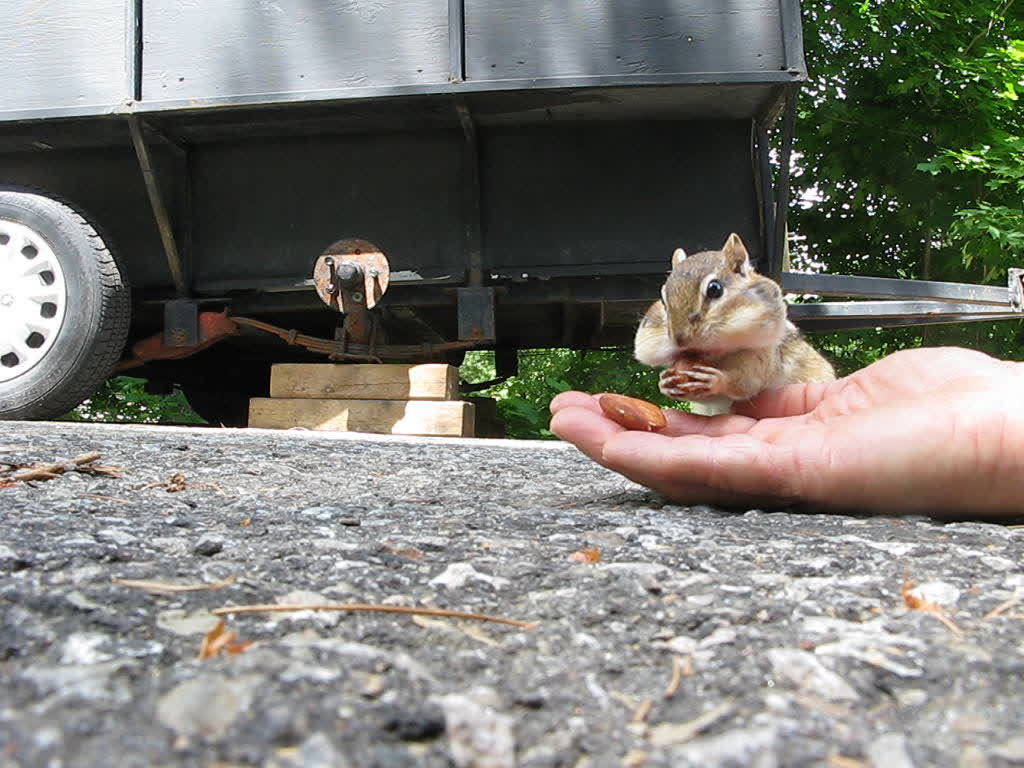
(633, 413)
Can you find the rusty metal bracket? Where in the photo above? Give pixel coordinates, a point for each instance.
(181, 323)
(476, 314)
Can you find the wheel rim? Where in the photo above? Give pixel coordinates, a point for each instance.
(33, 299)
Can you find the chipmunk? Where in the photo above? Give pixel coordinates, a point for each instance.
(720, 329)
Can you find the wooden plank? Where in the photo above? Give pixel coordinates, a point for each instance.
(428, 381)
(395, 417)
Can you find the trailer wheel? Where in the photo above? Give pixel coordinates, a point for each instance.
(64, 307)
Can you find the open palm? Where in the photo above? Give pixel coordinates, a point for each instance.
(929, 429)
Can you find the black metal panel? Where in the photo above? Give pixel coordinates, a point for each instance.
(107, 186)
(239, 47)
(63, 55)
(267, 209)
(597, 194)
(510, 39)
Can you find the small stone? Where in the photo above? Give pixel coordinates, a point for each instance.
(721, 636)
(115, 536)
(209, 545)
(80, 601)
(912, 697)
(85, 648)
(736, 747)
(806, 672)
(972, 756)
(318, 752)
(1011, 751)
(184, 623)
(479, 736)
(994, 563)
(938, 592)
(457, 575)
(373, 687)
(92, 682)
(640, 570)
(206, 705)
(889, 751)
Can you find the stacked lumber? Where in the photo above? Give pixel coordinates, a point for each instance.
(385, 399)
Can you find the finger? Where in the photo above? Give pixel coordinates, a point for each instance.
(696, 468)
(573, 399)
(792, 400)
(585, 429)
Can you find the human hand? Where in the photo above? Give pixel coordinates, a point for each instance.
(938, 430)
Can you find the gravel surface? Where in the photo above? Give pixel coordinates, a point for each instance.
(699, 637)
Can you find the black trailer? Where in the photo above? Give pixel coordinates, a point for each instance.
(447, 174)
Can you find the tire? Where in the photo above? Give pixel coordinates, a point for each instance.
(64, 307)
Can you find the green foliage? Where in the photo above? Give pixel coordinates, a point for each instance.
(523, 400)
(909, 138)
(125, 399)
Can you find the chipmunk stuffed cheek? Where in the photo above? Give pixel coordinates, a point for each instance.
(632, 413)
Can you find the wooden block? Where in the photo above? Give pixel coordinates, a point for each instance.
(394, 417)
(429, 381)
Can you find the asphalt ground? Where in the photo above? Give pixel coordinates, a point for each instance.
(657, 635)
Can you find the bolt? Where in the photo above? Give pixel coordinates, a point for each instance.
(357, 297)
(329, 262)
(331, 289)
(348, 273)
(374, 272)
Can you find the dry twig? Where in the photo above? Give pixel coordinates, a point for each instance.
(372, 608)
(641, 712)
(677, 678)
(1003, 607)
(83, 463)
(169, 587)
(917, 604)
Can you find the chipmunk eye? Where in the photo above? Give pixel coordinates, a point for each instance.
(714, 290)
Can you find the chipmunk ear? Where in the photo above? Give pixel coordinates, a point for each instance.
(736, 255)
(678, 257)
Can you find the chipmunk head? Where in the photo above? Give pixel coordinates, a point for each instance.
(712, 303)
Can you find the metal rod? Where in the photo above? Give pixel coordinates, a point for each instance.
(133, 50)
(887, 288)
(882, 309)
(163, 221)
(822, 324)
(763, 176)
(782, 186)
